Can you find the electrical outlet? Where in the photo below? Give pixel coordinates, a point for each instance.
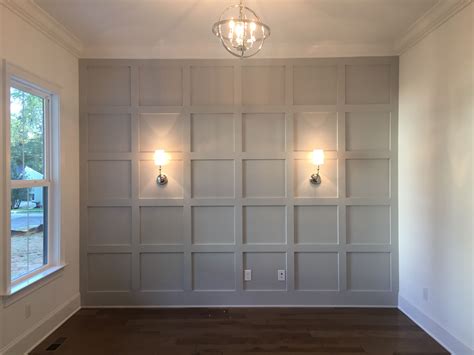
(281, 275)
(27, 311)
(426, 294)
(247, 275)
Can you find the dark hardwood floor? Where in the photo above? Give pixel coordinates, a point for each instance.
(231, 331)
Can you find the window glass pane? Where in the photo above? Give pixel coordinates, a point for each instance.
(26, 135)
(28, 230)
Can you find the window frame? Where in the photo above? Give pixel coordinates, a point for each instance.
(25, 184)
(15, 77)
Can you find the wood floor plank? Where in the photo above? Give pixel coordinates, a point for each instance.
(232, 331)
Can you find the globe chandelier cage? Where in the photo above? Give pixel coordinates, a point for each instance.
(241, 31)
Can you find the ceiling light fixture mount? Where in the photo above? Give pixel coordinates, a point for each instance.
(241, 31)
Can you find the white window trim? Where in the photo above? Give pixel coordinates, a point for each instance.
(15, 76)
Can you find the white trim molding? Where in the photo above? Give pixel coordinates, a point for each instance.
(27, 341)
(29, 11)
(430, 21)
(434, 329)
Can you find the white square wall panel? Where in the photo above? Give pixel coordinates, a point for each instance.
(263, 85)
(303, 171)
(368, 131)
(315, 130)
(109, 179)
(264, 178)
(109, 133)
(162, 271)
(368, 271)
(161, 131)
(160, 85)
(108, 85)
(212, 132)
(213, 271)
(212, 178)
(161, 225)
(265, 268)
(212, 85)
(264, 132)
(109, 225)
(213, 225)
(368, 84)
(368, 224)
(148, 173)
(317, 271)
(264, 224)
(368, 177)
(316, 224)
(109, 272)
(315, 85)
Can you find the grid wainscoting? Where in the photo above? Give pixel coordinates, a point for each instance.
(239, 134)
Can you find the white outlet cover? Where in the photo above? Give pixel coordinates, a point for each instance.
(247, 275)
(281, 275)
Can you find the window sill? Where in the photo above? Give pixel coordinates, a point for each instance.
(32, 283)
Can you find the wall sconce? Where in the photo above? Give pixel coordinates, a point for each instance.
(317, 158)
(161, 158)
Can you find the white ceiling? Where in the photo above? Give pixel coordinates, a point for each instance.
(182, 28)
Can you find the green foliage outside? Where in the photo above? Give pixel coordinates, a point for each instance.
(26, 139)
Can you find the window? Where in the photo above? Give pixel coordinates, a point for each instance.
(29, 116)
(32, 185)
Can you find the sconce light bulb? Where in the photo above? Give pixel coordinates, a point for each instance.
(317, 157)
(161, 158)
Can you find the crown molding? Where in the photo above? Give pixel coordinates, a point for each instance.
(214, 51)
(442, 11)
(29, 11)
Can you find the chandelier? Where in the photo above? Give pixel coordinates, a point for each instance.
(240, 30)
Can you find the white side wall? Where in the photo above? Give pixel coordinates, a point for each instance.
(435, 181)
(21, 44)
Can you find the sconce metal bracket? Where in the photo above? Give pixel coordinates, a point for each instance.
(315, 179)
(161, 179)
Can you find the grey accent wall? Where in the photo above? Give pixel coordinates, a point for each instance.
(240, 135)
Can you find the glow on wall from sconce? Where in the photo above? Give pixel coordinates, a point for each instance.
(317, 157)
(161, 157)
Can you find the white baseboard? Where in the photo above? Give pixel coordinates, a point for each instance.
(36, 334)
(442, 336)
